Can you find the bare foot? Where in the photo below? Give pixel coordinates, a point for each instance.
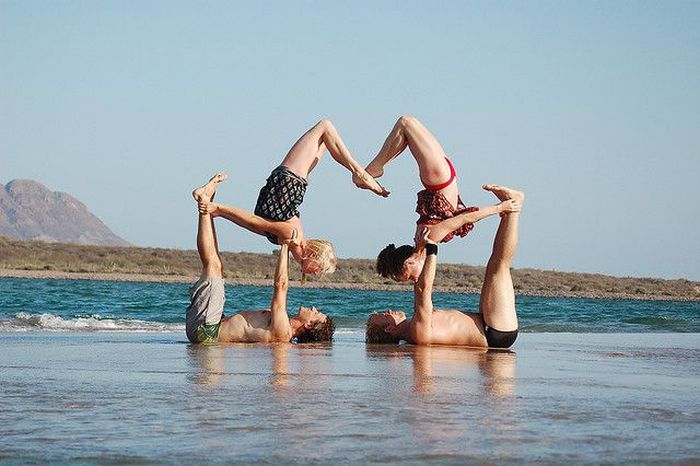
(503, 193)
(205, 193)
(365, 181)
(374, 171)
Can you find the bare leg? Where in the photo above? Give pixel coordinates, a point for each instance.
(429, 154)
(207, 248)
(207, 242)
(497, 303)
(216, 237)
(308, 150)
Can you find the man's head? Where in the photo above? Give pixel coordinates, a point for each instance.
(315, 326)
(319, 257)
(401, 264)
(382, 326)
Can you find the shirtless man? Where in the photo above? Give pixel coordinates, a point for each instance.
(496, 323)
(439, 201)
(204, 316)
(276, 212)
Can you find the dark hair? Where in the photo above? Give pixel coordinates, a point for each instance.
(320, 331)
(376, 334)
(390, 261)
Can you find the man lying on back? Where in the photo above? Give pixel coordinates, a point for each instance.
(496, 323)
(205, 314)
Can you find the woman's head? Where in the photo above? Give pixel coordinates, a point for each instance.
(400, 264)
(318, 258)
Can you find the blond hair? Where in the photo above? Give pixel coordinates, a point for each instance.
(322, 254)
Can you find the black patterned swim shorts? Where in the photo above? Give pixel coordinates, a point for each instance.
(280, 198)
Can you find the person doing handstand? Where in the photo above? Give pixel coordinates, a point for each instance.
(276, 212)
(205, 321)
(439, 201)
(496, 323)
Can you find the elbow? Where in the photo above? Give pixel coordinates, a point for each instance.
(422, 289)
(281, 284)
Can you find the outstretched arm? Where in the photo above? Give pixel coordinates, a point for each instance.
(245, 219)
(279, 322)
(444, 228)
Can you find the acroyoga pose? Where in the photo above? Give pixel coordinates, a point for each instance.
(205, 321)
(496, 323)
(276, 212)
(439, 205)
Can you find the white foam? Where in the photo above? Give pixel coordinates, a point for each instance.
(349, 331)
(26, 322)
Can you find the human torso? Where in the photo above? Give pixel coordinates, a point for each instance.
(249, 327)
(452, 327)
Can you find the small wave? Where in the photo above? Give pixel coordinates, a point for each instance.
(26, 322)
(350, 331)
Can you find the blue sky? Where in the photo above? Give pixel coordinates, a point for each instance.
(592, 108)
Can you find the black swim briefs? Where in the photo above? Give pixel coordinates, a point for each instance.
(497, 339)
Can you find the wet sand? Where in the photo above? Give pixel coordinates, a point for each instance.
(152, 397)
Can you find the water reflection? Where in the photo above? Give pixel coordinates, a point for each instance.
(434, 365)
(208, 362)
(280, 375)
(498, 370)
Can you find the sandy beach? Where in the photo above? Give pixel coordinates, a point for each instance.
(153, 398)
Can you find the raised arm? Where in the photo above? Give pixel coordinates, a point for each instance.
(279, 322)
(423, 295)
(245, 219)
(444, 228)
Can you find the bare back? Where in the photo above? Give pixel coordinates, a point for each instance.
(249, 327)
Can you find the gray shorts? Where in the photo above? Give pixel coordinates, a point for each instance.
(205, 311)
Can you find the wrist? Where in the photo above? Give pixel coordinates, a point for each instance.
(431, 249)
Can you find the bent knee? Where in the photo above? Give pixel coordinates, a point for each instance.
(498, 267)
(408, 121)
(214, 268)
(325, 124)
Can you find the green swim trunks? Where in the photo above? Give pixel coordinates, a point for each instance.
(206, 309)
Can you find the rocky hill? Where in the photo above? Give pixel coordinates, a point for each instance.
(30, 211)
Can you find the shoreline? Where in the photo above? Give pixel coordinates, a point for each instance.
(188, 279)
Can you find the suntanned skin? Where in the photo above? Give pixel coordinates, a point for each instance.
(433, 169)
(301, 159)
(430, 326)
(409, 132)
(413, 266)
(265, 325)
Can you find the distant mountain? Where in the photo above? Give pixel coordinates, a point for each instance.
(30, 211)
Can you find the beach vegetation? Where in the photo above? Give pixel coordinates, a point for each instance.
(244, 267)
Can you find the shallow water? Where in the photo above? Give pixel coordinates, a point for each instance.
(101, 372)
(153, 398)
(72, 305)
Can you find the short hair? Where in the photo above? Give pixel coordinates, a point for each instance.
(319, 331)
(376, 334)
(390, 261)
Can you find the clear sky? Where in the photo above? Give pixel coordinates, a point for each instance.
(591, 107)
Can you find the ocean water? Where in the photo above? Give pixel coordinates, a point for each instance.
(102, 373)
(44, 305)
